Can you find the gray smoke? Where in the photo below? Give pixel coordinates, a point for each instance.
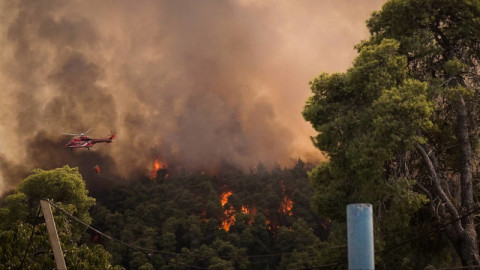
(198, 83)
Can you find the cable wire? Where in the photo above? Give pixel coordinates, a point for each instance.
(427, 233)
(144, 250)
(113, 238)
(458, 267)
(340, 262)
(29, 242)
(149, 251)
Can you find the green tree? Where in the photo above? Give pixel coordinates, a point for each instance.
(400, 126)
(303, 245)
(21, 225)
(63, 185)
(181, 218)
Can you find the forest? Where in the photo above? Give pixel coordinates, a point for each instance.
(261, 219)
(231, 220)
(398, 129)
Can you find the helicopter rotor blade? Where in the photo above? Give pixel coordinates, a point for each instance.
(70, 134)
(87, 131)
(78, 134)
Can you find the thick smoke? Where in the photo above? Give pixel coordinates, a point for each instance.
(198, 83)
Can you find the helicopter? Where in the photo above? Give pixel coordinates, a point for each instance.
(82, 141)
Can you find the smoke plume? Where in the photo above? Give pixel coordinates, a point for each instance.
(198, 83)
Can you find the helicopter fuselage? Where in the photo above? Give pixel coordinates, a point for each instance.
(86, 142)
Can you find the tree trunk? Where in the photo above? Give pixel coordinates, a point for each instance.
(462, 233)
(467, 248)
(469, 242)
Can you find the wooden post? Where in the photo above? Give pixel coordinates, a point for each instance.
(52, 234)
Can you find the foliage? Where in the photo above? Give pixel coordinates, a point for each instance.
(400, 126)
(181, 216)
(60, 185)
(22, 227)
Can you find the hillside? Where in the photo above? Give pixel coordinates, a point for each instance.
(234, 220)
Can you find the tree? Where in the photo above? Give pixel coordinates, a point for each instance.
(400, 126)
(22, 227)
(63, 185)
(303, 245)
(182, 216)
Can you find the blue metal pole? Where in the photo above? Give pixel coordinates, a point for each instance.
(360, 237)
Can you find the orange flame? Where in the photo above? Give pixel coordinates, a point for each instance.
(286, 206)
(229, 219)
(229, 213)
(157, 165)
(224, 197)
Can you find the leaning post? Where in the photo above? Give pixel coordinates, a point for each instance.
(360, 237)
(52, 234)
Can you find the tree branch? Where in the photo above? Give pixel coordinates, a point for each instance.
(444, 183)
(439, 190)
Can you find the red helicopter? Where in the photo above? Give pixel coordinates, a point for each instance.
(83, 141)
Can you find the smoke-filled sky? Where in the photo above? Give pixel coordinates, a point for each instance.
(195, 83)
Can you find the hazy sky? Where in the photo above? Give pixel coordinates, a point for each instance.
(194, 83)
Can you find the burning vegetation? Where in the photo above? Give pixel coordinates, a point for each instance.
(229, 219)
(158, 166)
(229, 214)
(286, 206)
(224, 197)
(213, 116)
(235, 214)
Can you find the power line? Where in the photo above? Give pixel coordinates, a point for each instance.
(29, 242)
(28, 247)
(342, 261)
(458, 267)
(427, 233)
(149, 251)
(115, 239)
(337, 263)
(144, 250)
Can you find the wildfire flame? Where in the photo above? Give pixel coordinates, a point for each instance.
(229, 219)
(286, 206)
(157, 165)
(224, 197)
(229, 213)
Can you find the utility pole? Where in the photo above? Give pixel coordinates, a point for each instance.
(360, 237)
(52, 234)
